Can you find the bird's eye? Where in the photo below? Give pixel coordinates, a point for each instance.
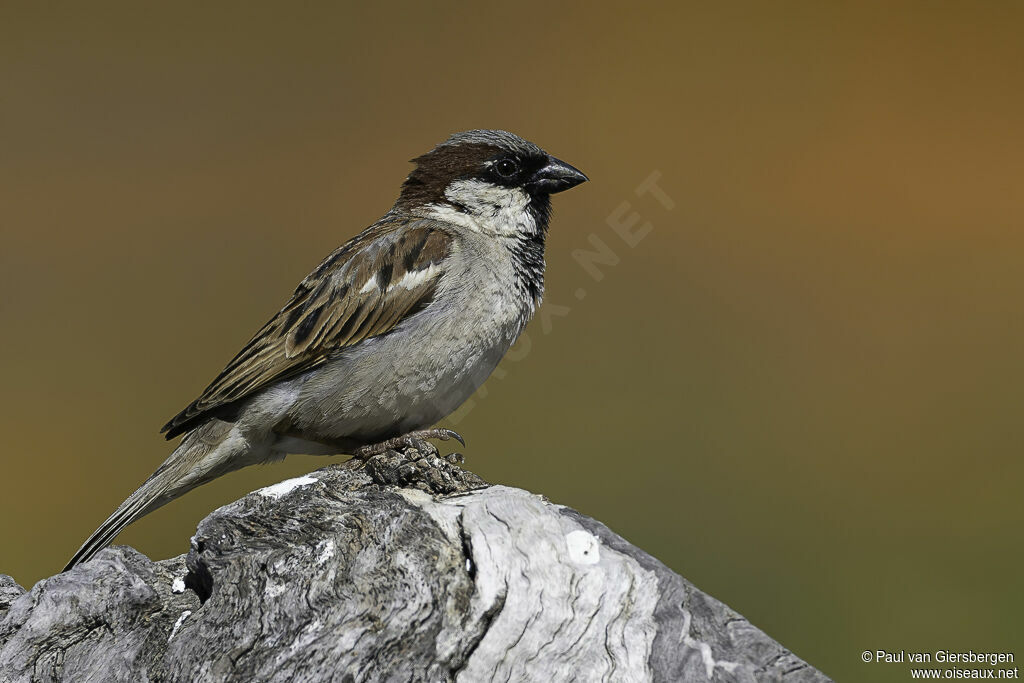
(506, 168)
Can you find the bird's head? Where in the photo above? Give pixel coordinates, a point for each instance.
(489, 179)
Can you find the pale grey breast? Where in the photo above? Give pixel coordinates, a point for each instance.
(429, 364)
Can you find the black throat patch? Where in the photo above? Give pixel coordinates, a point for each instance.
(528, 250)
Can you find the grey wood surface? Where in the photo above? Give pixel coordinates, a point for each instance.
(406, 569)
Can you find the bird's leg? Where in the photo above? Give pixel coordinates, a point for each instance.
(417, 440)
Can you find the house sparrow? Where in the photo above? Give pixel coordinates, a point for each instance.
(388, 335)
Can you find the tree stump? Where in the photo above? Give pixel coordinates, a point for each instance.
(405, 568)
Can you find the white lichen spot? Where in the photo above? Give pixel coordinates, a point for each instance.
(324, 551)
(178, 585)
(274, 589)
(584, 548)
(178, 623)
(285, 487)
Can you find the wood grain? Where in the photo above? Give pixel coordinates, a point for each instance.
(409, 568)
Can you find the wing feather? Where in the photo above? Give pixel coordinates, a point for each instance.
(351, 296)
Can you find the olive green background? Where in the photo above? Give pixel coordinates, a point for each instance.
(801, 389)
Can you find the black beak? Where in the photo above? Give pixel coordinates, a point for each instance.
(556, 176)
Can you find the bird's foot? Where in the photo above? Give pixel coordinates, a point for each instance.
(410, 461)
(417, 440)
(421, 468)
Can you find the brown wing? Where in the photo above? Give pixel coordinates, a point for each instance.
(362, 290)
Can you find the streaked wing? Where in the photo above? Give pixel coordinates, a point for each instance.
(362, 290)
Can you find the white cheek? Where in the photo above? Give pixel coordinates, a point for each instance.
(489, 208)
(449, 214)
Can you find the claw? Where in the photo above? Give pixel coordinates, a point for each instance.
(408, 440)
(452, 434)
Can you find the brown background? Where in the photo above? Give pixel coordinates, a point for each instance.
(802, 390)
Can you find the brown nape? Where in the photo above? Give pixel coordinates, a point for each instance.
(439, 167)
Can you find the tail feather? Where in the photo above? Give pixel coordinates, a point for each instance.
(199, 458)
(126, 513)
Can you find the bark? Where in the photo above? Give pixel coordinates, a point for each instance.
(406, 569)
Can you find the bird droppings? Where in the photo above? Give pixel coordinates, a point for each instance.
(177, 624)
(285, 487)
(584, 548)
(178, 586)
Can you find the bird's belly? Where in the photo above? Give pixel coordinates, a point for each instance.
(391, 385)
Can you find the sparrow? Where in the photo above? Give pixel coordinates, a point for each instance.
(388, 335)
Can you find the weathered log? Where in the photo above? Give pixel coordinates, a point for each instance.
(406, 569)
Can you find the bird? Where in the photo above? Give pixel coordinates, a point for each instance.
(388, 335)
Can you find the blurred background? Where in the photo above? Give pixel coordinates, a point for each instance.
(801, 389)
